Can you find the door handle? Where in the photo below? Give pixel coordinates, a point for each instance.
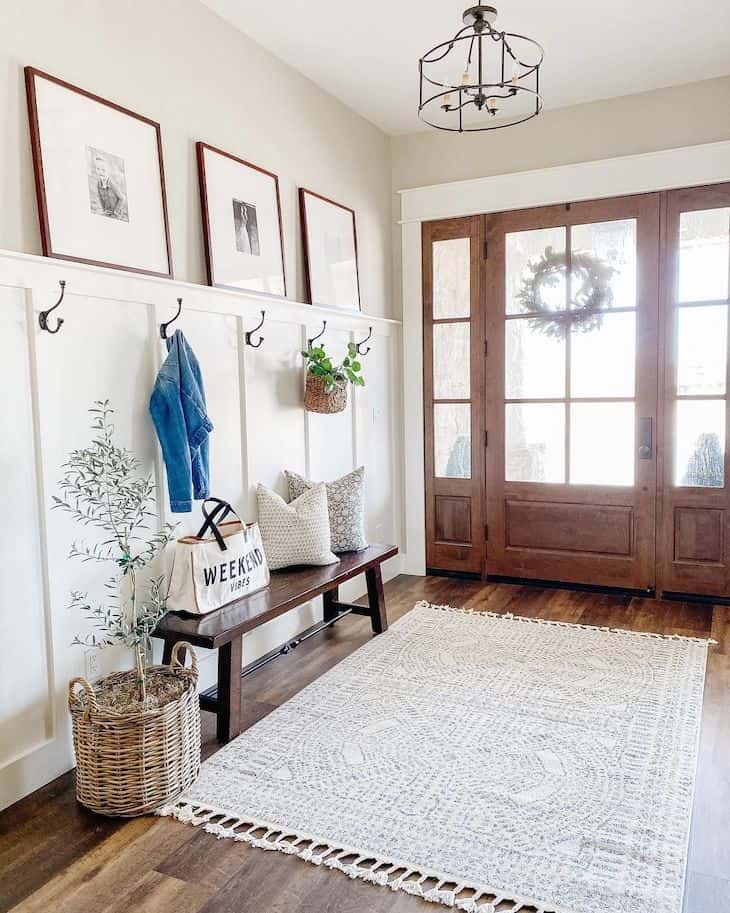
(646, 443)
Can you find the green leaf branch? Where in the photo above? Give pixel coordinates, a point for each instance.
(101, 487)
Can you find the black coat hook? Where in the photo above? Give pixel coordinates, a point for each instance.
(314, 338)
(164, 326)
(43, 316)
(249, 333)
(362, 343)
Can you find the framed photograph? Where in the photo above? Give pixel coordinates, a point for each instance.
(244, 247)
(99, 179)
(330, 251)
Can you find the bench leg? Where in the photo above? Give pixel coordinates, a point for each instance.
(228, 722)
(376, 599)
(167, 652)
(328, 602)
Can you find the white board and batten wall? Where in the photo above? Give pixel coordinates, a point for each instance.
(109, 348)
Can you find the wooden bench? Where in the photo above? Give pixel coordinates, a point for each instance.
(223, 629)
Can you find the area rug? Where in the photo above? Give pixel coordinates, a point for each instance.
(480, 761)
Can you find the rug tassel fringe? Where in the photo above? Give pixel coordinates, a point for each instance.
(508, 616)
(383, 872)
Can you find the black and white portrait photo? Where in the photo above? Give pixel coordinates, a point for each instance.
(100, 179)
(107, 184)
(246, 252)
(246, 227)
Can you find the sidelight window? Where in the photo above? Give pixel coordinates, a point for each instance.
(700, 312)
(451, 358)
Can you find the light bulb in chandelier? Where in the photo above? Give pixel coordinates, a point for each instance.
(512, 68)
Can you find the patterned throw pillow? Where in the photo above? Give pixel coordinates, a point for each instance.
(346, 502)
(296, 533)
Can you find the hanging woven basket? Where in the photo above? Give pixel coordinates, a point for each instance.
(318, 399)
(130, 763)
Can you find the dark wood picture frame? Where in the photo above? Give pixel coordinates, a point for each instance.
(31, 74)
(205, 212)
(303, 192)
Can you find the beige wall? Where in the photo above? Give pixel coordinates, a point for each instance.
(178, 63)
(664, 119)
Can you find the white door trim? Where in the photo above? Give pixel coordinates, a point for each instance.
(687, 166)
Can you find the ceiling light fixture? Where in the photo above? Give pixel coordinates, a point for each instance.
(500, 75)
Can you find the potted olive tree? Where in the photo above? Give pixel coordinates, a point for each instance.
(136, 733)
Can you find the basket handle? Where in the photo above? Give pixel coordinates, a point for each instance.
(89, 691)
(175, 661)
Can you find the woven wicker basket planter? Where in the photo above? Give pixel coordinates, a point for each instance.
(129, 764)
(318, 399)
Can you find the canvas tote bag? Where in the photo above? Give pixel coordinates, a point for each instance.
(212, 570)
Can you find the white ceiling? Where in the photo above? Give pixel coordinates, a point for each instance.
(366, 54)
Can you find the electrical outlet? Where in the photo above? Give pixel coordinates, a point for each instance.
(92, 664)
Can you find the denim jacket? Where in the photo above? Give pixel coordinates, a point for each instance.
(177, 406)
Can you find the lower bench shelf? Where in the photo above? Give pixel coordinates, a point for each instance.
(224, 629)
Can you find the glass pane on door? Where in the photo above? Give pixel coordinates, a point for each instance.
(704, 252)
(603, 357)
(451, 278)
(613, 244)
(452, 440)
(535, 442)
(524, 250)
(700, 443)
(534, 360)
(451, 360)
(602, 443)
(702, 350)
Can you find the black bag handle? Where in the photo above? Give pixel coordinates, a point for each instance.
(214, 517)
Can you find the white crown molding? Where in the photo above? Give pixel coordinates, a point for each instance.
(686, 166)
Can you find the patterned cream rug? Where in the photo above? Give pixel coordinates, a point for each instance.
(476, 759)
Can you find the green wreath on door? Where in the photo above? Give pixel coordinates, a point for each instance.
(590, 279)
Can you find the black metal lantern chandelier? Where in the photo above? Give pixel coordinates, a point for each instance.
(499, 77)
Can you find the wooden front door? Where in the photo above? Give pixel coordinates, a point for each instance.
(576, 438)
(694, 528)
(571, 392)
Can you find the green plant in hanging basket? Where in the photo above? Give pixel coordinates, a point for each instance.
(591, 292)
(320, 364)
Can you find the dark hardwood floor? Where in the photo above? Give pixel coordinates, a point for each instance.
(57, 858)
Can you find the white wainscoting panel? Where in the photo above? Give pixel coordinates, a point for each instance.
(109, 348)
(274, 387)
(26, 686)
(331, 441)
